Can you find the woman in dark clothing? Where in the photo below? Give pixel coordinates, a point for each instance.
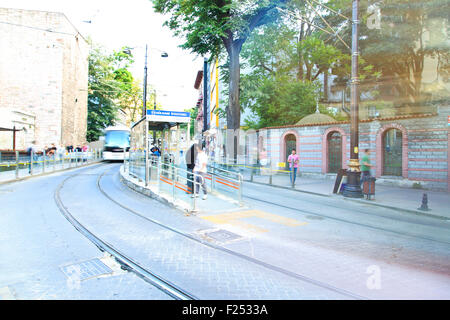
(190, 157)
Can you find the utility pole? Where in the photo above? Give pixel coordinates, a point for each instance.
(154, 108)
(205, 94)
(353, 188)
(144, 106)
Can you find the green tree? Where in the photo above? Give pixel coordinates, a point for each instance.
(102, 110)
(282, 84)
(210, 26)
(283, 101)
(111, 87)
(408, 32)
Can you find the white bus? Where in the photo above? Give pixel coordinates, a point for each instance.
(117, 138)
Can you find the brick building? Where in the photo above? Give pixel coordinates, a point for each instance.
(409, 151)
(43, 79)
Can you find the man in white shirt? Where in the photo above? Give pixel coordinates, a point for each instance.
(200, 171)
(31, 151)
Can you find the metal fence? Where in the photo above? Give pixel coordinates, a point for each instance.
(267, 174)
(178, 184)
(16, 165)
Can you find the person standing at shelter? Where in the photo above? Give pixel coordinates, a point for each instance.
(293, 160)
(190, 157)
(200, 171)
(365, 166)
(155, 150)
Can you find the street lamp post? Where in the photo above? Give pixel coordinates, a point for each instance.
(154, 108)
(144, 98)
(353, 188)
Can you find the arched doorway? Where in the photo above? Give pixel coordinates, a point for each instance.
(392, 152)
(290, 142)
(334, 144)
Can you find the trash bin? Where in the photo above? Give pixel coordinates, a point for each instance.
(369, 186)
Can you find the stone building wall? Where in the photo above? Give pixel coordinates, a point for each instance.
(43, 72)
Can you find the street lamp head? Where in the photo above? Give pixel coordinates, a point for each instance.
(164, 55)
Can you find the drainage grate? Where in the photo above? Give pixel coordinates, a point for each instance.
(222, 235)
(86, 270)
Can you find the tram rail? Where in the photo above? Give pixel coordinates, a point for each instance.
(308, 212)
(170, 288)
(269, 266)
(126, 261)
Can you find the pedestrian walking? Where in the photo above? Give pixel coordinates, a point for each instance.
(365, 166)
(263, 157)
(293, 160)
(190, 157)
(200, 171)
(60, 151)
(31, 151)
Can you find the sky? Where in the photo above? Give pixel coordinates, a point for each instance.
(133, 23)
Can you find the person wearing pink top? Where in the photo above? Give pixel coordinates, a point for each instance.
(293, 160)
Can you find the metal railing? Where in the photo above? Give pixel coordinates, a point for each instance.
(176, 182)
(179, 184)
(14, 165)
(267, 174)
(223, 180)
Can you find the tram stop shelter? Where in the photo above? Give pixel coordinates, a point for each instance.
(167, 177)
(168, 124)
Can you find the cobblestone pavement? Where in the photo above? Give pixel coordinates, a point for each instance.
(325, 250)
(338, 252)
(37, 242)
(206, 272)
(344, 244)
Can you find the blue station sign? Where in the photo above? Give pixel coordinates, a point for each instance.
(168, 116)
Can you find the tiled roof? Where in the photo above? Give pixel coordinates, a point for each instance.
(425, 115)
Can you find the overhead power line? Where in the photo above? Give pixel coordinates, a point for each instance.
(334, 11)
(325, 21)
(36, 28)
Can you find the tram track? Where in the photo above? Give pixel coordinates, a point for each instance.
(258, 262)
(126, 261)
(308, 212)
(170, 288)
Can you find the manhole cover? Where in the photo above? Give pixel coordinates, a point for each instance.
(223, 235)
(86, 270)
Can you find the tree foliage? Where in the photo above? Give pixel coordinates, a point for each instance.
(111, 87)
(408, 33)
(212, 26)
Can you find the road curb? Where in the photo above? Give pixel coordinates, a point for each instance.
(416, 212)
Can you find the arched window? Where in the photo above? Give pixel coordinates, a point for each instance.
(392, 152)
(334, 144)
